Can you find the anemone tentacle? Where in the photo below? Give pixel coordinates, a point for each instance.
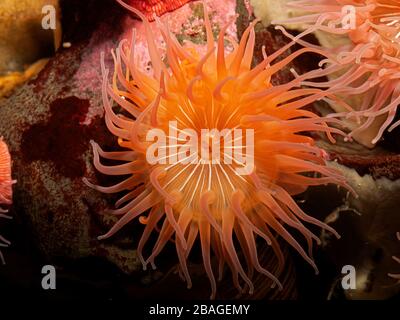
(367, 67)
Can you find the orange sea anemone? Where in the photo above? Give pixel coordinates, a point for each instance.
(369, 64)
(211, 201)
(5, 188)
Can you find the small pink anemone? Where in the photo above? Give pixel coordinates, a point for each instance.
(369, 66)
(5, 188)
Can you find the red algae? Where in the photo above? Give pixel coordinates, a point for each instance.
(62, 139)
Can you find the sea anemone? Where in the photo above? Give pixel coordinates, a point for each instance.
(204, 200)
(5, 188)
(368, 66)
(157, 7)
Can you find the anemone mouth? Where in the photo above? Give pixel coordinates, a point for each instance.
(210, 202)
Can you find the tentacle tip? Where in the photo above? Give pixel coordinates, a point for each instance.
(277, 283)
(93, 143)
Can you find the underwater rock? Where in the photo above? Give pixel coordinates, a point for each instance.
(367, 224)
(22, 38)
(47, 123)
